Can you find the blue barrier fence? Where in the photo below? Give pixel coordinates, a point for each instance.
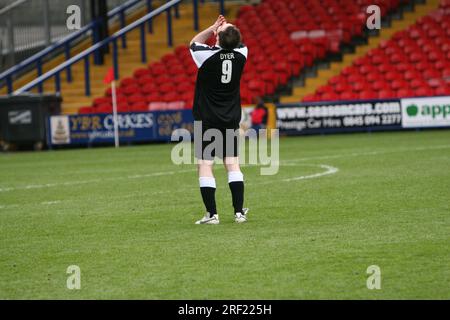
(292, 119)
(92, 129)
(144, 23)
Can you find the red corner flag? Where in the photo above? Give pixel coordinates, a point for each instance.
(109, 76)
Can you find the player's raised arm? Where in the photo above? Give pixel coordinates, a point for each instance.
(203, 36)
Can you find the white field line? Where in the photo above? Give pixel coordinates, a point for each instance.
(369, 153)
(49, 203)
(163, 173)
(328, 170)
(80, 182)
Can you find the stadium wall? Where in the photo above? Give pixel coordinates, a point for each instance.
(290, 119)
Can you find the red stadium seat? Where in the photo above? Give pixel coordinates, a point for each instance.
(410, 75)
(131, 89)
(367, 95)
(343, 87)
(310, 98)
(108, 92)
(417, 83)
(424, 92)
(136, 99)
(101, 100)
(415, 62)
(142, 72)
(257, 87)
(188, 98)
(158, 69)
(172, 96)
(122, 107)
(85, 110)
(349, 96)
(387, 94)
(185, 87)
(399, 84)
(431, 74)
(104, 108)
(442, 91)
(293, 34)
(359, 86)
(149, 88)
(176, 69)
(246, 96)
(127, 82)
(436, 82)
(154, 97)
(329, 96)
(393, 75)
(139, 107)
(167, 87)
(144, 80)
(325, 89)
(405, 93)
(380, 85)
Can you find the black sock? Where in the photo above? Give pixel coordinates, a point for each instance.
(209, 199)
(237, 194)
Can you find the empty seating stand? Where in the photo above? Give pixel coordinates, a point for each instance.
(415, 62)
(283, 37)
(166, 84)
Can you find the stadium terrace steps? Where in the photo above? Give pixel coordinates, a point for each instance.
(129, 58)
(275, 57)
(323, 75)
(83, 45)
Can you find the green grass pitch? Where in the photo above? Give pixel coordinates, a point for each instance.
(126, 218)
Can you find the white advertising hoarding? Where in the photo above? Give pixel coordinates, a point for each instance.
(426, 112)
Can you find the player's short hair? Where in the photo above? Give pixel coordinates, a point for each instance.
(230, 38)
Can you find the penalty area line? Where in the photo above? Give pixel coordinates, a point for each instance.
(284, 162)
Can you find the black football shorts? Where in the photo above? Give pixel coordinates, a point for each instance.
(217, 142)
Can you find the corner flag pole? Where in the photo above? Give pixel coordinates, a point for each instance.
(115, 119)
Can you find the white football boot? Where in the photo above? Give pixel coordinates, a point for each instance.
(209, 220)
(241, 217)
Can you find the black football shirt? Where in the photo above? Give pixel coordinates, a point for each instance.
(217, 100)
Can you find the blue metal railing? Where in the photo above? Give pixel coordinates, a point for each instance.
(140, 23)
(36, 61)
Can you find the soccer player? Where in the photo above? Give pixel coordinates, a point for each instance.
(217, 104)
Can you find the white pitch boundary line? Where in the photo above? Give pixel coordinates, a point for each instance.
(328, 170)
(369, 153)
(162, 173)
(49, 203)
(80, 182)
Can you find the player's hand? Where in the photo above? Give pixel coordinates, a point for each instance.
(220, 20)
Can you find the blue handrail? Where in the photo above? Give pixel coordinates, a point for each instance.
(55, 72)
(65, 43)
